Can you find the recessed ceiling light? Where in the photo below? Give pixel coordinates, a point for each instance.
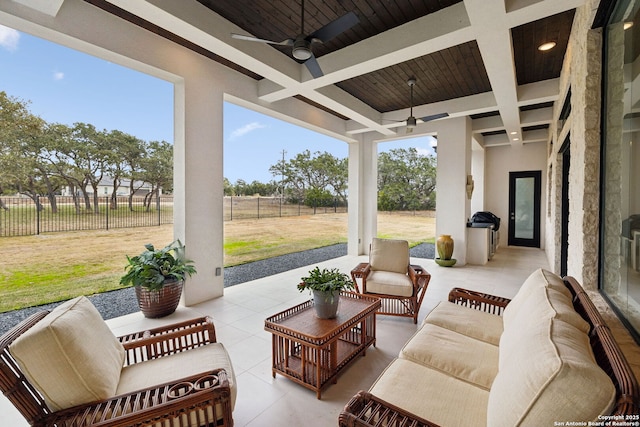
(627, 25)
(514, 133)
(547, 46)
(516, 139)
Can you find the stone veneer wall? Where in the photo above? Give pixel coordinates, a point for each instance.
(582, 74)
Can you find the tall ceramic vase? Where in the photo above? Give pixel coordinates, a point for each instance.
(444, 244)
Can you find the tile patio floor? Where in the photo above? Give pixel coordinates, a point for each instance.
(239, 319)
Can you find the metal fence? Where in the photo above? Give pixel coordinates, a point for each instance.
(240, 207)
(19, 217)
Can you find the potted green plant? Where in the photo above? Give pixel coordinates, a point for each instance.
(325, 285)
(158, 277)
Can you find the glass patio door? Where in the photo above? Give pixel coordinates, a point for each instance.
(524, 208)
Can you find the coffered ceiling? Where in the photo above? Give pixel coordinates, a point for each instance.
(476, 58)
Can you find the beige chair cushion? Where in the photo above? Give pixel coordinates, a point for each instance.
(467, 321)
(389, 255)
(432, 395)
(389, 283)
(549, 376)
(179, 365)
(457, 355)
(71, 356)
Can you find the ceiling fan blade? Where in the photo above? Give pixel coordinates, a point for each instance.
(314, 67)
(287, 42)
(335, 27)
(434, 117)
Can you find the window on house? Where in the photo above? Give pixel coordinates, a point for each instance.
(620, 236)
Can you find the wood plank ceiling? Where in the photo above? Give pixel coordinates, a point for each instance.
(453, 72)
(447, 74)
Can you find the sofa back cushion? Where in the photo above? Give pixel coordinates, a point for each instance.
(549, 374)
(538, 279)
(71, 356)
(389, 255)
(542, 295)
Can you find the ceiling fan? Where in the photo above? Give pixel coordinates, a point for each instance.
(302, 44)
(411, 120)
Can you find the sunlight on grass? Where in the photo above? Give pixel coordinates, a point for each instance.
(58, 266)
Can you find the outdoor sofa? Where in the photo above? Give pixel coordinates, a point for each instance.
(544, 358)
(66, 368)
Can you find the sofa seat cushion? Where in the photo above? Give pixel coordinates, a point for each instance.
(467, 321)
(71, 356)
(389, 255)
(432, 395)
(540, 375)
(176, 366)
(389, 283)
(457, 355)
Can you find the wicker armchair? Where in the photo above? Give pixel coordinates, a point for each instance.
(202, 399)
(389, 276)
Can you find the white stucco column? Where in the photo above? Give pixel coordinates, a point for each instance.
(198, 184)
(454, 164)
(363, 194)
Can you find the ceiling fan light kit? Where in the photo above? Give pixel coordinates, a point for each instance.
(302, 44)
(301, 49)
(411, 121)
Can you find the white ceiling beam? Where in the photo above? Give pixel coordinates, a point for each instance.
(48, 7)
(496, 140)
(473, 104)
(487, 21)
(539, 92)
(194, 22)
(538, 135)
(493, 35)
(341, 102)
(487, 124)
(520, 12)
(539, 116)
(431, 33)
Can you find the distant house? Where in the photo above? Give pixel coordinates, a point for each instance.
(105, 188)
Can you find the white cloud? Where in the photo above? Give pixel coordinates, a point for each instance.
(424, 151)
(58, 75)
(9, 38)
(246, 129)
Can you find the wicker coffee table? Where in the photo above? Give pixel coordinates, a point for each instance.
(313, 351)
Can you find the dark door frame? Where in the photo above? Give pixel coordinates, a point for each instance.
(565, 151)
(535, 241)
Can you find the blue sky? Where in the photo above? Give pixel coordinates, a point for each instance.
(66, 86)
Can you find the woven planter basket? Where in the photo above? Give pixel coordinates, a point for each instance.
(162, 302)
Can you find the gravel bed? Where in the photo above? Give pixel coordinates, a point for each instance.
(118, 303)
